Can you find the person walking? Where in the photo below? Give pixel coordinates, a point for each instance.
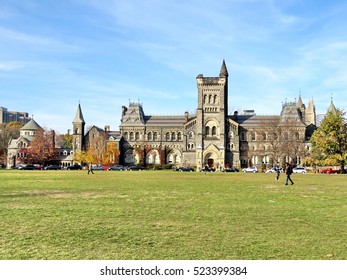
(289, 171)
(278, 170)
(90, 168)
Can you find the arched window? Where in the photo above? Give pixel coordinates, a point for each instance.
(150, 136)
(173, 136)
(207, 130)
(253, 136)
(264, 135)
(126, 135)
(179, 136)
(137, 136)
(131, 136)
(285, 135)
(215, 99)
(297, 136)
(167, 136)
(155, 136)
(214, 131)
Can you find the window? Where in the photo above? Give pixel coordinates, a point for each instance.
(253, 136)
(137, 136)
(214, 131)
(150, 136)
(167, 136)
(131, 136)
(207, 130)
(155, 136)
(243, 136)
(191, 134)
(173, 136)
(179, 136)
(126, 135)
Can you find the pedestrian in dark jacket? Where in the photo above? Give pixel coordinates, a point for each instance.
(289, 171)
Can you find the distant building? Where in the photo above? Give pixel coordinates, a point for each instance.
(17, 149)
(12, 116)
(210, 137)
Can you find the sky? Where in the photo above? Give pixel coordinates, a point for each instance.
(103, 54)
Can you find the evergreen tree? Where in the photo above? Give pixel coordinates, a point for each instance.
(329, 141)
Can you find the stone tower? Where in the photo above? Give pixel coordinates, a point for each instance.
(78, 141)
(212, 113)
(310, 116)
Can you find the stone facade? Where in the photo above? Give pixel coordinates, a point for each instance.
(211, 136)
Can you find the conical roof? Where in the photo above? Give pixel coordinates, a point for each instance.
(332, 107)
(79, 116)
(223, 71)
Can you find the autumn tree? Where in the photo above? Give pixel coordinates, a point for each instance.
(8, 131)
(329, 141)
(42, 148)
(65, 141)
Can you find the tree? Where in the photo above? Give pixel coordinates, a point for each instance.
(329, 141)
(7, 132)
(42, 148)
(65, 141)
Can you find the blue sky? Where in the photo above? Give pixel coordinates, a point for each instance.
(55, 54)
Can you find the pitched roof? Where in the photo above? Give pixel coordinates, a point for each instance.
(31, 125)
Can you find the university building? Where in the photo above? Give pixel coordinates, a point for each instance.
(209, 137)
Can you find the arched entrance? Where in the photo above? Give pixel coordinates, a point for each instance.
(210, 159)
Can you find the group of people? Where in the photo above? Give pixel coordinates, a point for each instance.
(288, 172)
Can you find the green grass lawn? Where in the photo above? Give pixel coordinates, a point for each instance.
(169, 215)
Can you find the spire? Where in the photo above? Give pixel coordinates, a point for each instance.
(223, 71)
(299, 103)
(79, 116)
(311, 104)
(332, 107)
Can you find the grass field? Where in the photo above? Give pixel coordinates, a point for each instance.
(169, 215)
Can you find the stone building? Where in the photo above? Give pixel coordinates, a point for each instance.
(211, 136)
